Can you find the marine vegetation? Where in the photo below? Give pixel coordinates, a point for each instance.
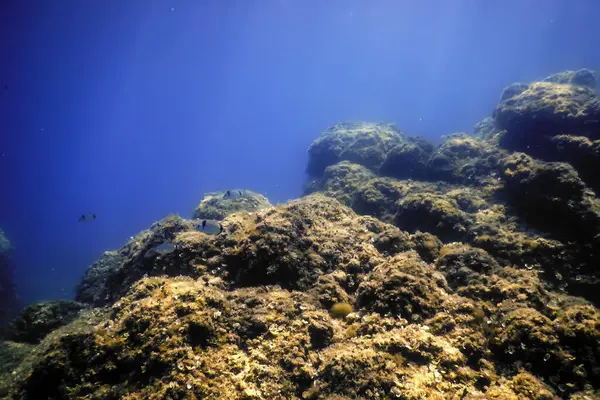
(409, 270)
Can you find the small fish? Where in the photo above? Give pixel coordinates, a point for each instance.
(86, 217)
(210, 227)
(164, 248)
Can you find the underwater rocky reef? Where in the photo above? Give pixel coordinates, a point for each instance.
(409, 270)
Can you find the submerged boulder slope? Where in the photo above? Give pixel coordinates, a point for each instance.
(245, 314)
(536, 210)
(460, 271)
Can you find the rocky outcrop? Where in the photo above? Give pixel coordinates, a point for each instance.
(39, 319)
(548, 109)
(367, 144)
(556, 120)
(581, 77)
(552, 197)
(218, 205)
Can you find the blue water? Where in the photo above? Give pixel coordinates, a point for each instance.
(132, 110)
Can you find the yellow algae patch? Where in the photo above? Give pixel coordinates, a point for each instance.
(340, 310)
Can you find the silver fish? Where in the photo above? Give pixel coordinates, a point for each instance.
(162, 249)
(209, 226)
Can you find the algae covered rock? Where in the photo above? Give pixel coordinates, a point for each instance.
(11, 356)
(582, 77)
(548, 109)
(404, 286)
(578, 329)
(512, 90)
(560, 350)
(183, 338)
(384, 152)
(486, 129)
(557, 119)
(579, 151)
(9, 304)
(378, 197)
(433, 213)
(93, 287)
(450, 280)
(479, 208)
(111, 276)
(463, 158)
(39, 319)
(291, 245)
(218, 205)
(463, 264)
(362, 143)
(287, 245)
(247, 314)
(408, 160)
(552, 197)
(450, 211)
(343, 180)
